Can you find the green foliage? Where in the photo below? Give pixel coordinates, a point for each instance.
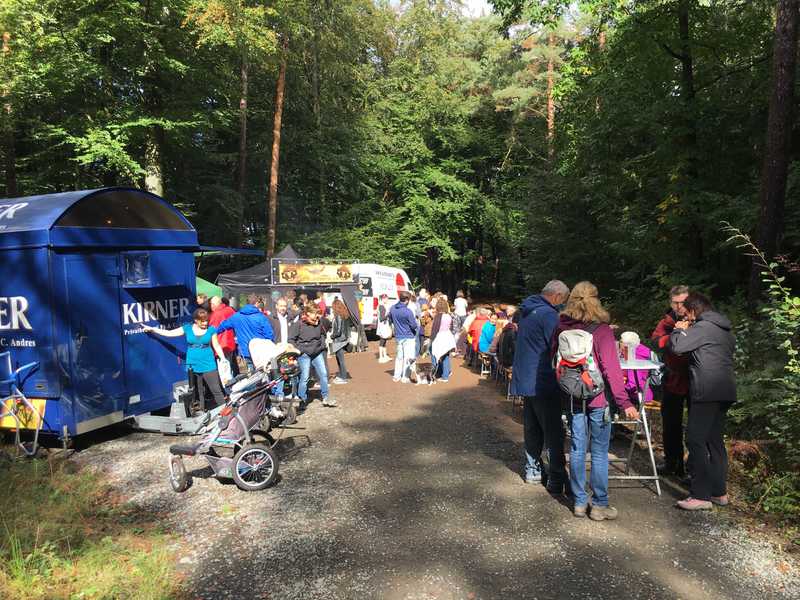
(780, 406)
(66, 537)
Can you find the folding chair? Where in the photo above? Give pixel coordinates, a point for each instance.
(485, 363)
(516, 401)
(16, 406)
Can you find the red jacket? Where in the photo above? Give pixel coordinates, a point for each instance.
(475, 330)
(226, 338)
(677, 381)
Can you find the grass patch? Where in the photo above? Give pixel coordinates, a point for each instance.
(64, 535)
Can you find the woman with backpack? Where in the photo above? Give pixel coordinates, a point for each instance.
(706, 337)
(590, 418)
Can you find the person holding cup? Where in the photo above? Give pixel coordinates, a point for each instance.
(705, 336)
(676, 385)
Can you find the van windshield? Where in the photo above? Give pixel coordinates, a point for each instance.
(365, 285)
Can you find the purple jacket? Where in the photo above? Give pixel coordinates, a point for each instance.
(607, 355)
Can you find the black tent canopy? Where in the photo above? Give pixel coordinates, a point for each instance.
(258, 279)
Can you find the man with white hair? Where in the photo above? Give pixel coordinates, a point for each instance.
(534, 379)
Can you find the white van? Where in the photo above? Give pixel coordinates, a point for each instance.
(375, 280)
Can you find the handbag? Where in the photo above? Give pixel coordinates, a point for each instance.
(224, 369)
(384, 330)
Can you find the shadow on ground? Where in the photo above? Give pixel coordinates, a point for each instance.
(416, 494)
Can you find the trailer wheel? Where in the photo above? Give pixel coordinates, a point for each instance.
(179, 479)
(255, 467)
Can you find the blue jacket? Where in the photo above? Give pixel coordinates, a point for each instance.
(248, 323)
(533, 373)
(405, 325)
(487, 335)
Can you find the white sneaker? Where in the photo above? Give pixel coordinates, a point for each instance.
(339, 380)
(405, 380)
(395, 379)
(329, 402)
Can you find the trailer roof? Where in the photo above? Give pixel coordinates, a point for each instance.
(107, 217)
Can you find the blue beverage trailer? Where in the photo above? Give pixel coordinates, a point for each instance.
(80, 273)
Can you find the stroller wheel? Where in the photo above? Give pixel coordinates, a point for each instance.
(178, 477)
(255, 467)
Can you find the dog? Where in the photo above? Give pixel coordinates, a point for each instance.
(421, 373)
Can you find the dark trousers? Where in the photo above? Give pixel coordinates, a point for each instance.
(209, 382)
(708, 459)
(672, 424)
(340, 362)
(542, 429)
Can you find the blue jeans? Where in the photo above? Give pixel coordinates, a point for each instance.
(441, 368)
(404, 354)
(583, 426)
(320, 368)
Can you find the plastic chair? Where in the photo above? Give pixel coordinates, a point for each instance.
(16, 405)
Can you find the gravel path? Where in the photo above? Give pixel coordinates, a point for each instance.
(413, 492)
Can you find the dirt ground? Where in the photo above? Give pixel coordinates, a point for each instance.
(414, 492)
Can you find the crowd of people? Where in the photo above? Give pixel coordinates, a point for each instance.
(531, 343)
(219, 336)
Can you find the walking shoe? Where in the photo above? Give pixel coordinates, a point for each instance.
(339, 380)
(579, 511)
(395, 379)
(405, 380)
(603, 513)
(720, 500)
(443, 380)
(328, 402)
(533, 476)
(694, 504)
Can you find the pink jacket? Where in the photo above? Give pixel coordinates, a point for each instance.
(635, 380)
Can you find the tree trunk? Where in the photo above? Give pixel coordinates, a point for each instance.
(551, 106)
(272, 209)
(779, 131)
(242, 178)
(317, 109)
(10, 166)
(242, 175)
(686, 140)
(153, 178)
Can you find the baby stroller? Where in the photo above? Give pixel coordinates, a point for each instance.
(238, 444)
